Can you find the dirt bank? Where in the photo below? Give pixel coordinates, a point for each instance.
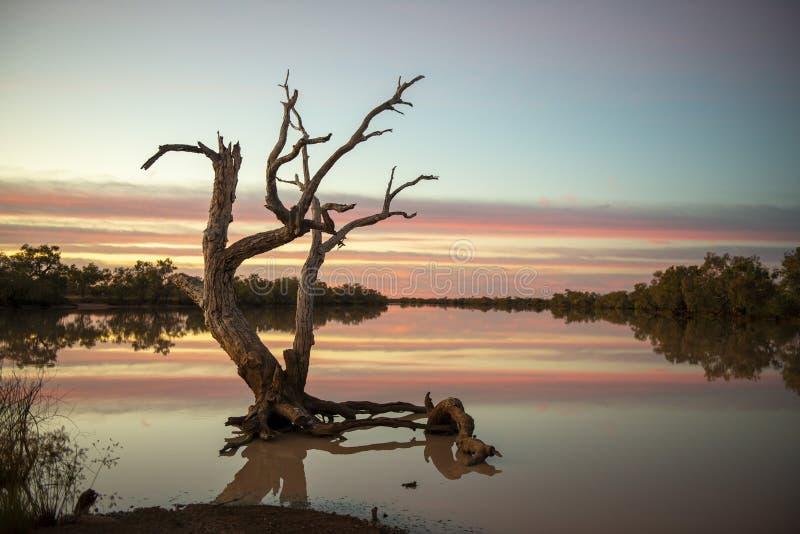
(202, 518)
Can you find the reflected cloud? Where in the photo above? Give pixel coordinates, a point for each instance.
(725, 349)
(576, 246)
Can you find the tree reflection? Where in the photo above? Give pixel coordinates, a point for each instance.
(439, 451)
(277, 466)
(35, 337)
(724, 349)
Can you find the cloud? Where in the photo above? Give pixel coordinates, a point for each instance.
(571, 245)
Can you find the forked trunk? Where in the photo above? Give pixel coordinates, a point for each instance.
(280, 401)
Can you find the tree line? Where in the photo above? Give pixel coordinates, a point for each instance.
(36, 276)
(723, 286)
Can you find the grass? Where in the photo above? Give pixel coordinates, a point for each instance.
(42, 466)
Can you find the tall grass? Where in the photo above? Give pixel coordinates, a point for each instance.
(42, 467)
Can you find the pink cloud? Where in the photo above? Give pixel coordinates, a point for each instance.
(97, 223)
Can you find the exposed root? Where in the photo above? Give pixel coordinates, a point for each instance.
(450, 412)
(328, 409)
(274, 413)
(351, 409)
(375, 408)
(336, 429)
(233, 443)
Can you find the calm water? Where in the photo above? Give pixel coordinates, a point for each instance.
(604, 427)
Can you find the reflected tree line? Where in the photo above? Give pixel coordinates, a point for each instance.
(36, 337)
(724, 349)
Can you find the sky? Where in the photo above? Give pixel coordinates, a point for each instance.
(579, 145)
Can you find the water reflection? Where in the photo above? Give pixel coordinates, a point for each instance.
(278, 467)
(36, 337)
(724, 349)
(439, 451)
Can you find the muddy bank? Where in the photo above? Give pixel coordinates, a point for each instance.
(202, 518)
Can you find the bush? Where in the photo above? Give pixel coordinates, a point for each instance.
(42, 468)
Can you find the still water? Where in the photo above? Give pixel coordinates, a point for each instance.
(624, 426)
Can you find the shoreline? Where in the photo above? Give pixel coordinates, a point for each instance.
(196, 518)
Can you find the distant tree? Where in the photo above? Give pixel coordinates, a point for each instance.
(789, 280)
(640, 299)
(749, 286)
(34, 275)
(90, 279)
(615, 300)
(144, 283)
(666, 288)
(723, 285)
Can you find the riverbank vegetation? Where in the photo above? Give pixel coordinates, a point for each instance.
(36, 276)
(722, 286)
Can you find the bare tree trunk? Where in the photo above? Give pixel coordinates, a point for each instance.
(298, 358)
(280, 400)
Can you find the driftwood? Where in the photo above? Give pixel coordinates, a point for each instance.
(280, 400)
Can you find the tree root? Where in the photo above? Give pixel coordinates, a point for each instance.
(469, 449)
(273, 414)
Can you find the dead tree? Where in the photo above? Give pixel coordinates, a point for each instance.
(280, 401)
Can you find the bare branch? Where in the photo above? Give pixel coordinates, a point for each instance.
(327, 221)
(387, 198)
(163, 149)
(376, 133)
(359, 136)
(296, 181)
(191, 285)
(275, 160)
(412, 183)
(300, 144)
(256, 244)
(299, 126)
(339, 208)
(273, 201)
(385, 213)
(404, 214)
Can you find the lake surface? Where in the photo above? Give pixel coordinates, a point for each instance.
(604, 427)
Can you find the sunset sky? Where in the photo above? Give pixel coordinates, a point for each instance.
(578, 144)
